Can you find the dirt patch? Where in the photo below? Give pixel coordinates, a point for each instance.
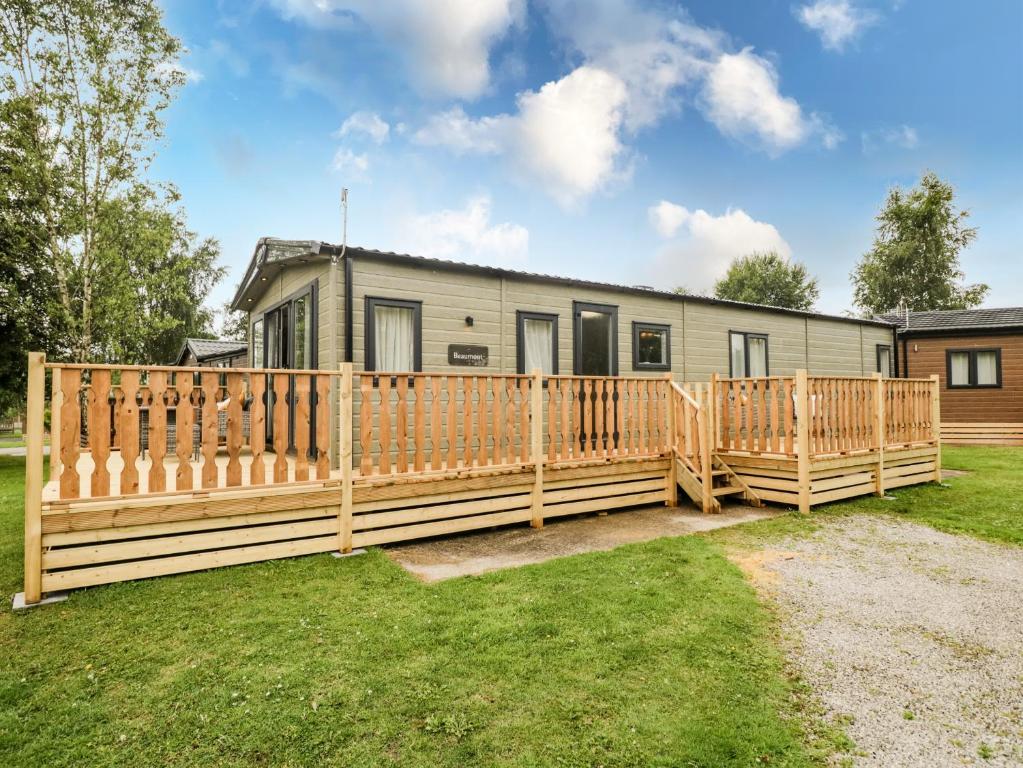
(485, 551)
(910, 637)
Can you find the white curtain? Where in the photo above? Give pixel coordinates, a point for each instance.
(393, 338)
(987, 368)
(960, 369)
(757, 356)
(738, 355)
(538, 336)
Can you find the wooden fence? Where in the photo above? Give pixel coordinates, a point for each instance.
(159, 469)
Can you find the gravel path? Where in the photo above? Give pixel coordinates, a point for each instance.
(912, 638)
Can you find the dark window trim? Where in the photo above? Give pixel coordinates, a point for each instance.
(640, 325)
(877, 359)
(972, 352)
(520, 350)
(372, 302)
(587, 306)
(313, 289)
(746, 336)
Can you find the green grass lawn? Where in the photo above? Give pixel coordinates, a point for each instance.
(653, 654)
(986, 503)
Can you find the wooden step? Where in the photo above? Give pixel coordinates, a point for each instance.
(726, 490)
(718, 472)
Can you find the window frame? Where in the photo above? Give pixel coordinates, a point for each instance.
(521, 315)
(370, 336)
(972, 367)
(641, 325)
(578, 307)
(312, 289)
(746, 336)
(877, 359)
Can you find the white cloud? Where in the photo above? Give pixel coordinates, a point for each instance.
(708, 243)
(667, 217)
(366, 123)
(654, 54)
(346, 161)
(467, 235)
(446, 42)
(838, 22)
(462, 134)
(741, 97)
(903, 137)
(638, 66)
(566, 135)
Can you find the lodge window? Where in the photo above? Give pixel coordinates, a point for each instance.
(257, 343)
(747, 354)
(651, 347)
(394, 335)
(595, 342)
(973, 368)
(884, 359)
(536, 340)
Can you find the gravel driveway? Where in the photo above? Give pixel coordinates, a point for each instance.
(912, 638)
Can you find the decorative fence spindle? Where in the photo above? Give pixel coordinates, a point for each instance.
(99, 431)
(301, 421)
(70, 432)
(184, 417)
(210, 431)
(257, 428)
(234, 429)
(157, 430)
(323, 433)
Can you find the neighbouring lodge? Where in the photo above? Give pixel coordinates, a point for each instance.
(316, 305)
(977, 354)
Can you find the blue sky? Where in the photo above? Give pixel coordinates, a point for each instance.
(634, 142)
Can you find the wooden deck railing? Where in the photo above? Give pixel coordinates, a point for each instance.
(168, 423)
(755, 415)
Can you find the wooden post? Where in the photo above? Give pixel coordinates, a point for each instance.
(803, 439)
(879, 432)
(345, 423)
(712, 400)
(936, 423)
(536, 442)
(706, 468)
(34, 477)
(671, 497)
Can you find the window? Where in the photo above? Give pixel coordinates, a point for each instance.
(536, 338)
(303, 332)
(257, 344)
(651, 347)
(394, 335)
(595, 349)
(884, 359)
(973, 368)
(747, 354)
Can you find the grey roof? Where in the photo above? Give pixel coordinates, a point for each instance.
(203, 349)
(272, 255)
(938, 320)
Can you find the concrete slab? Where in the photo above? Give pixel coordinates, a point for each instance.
(484, 551)
(359, 551)
(19, 603)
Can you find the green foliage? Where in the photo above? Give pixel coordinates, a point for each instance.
(82, 87)
(233, 325)
(766, 278)
(915, 258)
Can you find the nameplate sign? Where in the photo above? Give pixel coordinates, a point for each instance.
(468, 354)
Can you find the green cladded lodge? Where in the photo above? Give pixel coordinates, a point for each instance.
(316, 305)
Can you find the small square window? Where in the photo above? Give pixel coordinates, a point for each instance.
(651, 347)
(394, 335)
(537, 342)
